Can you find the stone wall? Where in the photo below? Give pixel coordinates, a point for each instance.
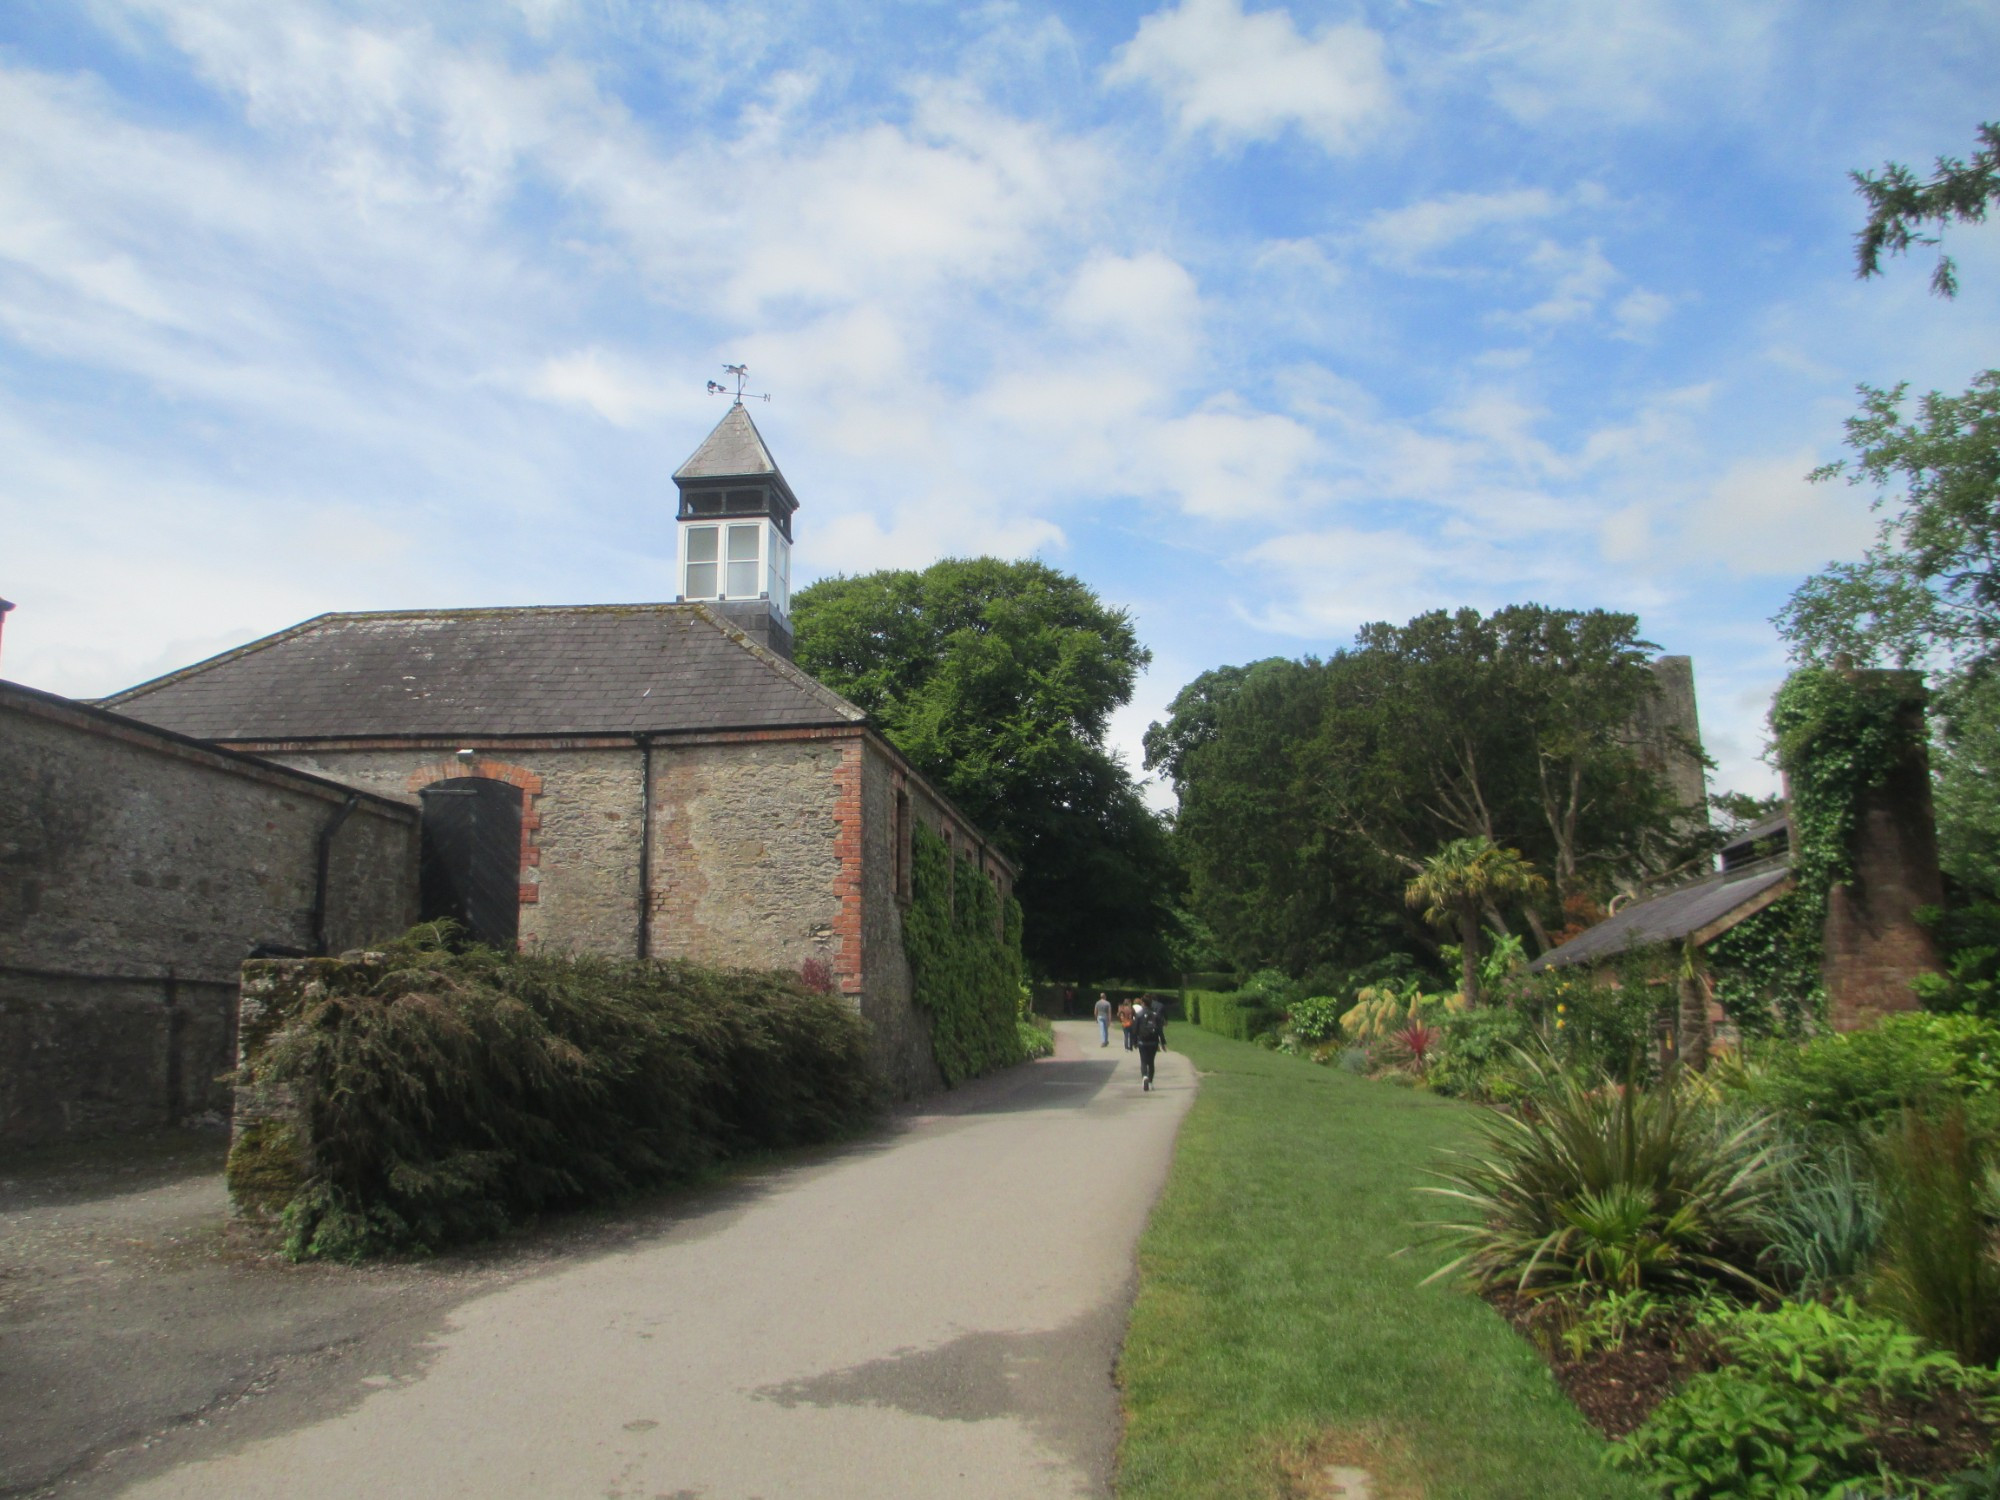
(1874, 945)
(581, 828)
(137, 869)
(748, 854)
(768, 849)
(901, 1033)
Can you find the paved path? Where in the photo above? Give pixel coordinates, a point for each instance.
(933, 1315)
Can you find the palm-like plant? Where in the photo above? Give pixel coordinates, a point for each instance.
(1458, 882)
(1614, 1188)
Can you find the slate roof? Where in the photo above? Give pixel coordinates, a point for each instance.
(734, 450)
(1719, 903)
(585, 669)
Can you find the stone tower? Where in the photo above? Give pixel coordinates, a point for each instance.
(1667, 734)
(736, 531)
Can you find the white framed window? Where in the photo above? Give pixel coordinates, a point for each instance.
(781, 573)
(740, 580)
(701, 562)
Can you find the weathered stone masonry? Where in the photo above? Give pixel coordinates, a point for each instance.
(768, 847)
(137, 868)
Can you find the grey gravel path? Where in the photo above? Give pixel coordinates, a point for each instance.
(933, 1314)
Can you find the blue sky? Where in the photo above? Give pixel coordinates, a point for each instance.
(1266, 321)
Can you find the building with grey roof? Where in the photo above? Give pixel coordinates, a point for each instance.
(651, 780)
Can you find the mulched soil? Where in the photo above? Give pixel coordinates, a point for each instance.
(1616, 1389)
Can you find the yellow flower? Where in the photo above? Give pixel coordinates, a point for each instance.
(1562, 1010)
(1560, 1025)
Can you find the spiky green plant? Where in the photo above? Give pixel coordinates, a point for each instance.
(1826, 1218)
(1617, 1188)
(1938, 1271)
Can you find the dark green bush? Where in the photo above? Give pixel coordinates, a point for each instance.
(1316, 1018)
(1601, 1023)
(1242, 1015)
(444, 1096)
(1853, 1078)
(1969, 937)
(1804, 1392)
(1480, 1051)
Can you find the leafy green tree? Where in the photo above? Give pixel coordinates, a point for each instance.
(1900, 205)
(998, 680)
(1311, 791)
(1928, 590)
(1458, 883)
(1927, 593)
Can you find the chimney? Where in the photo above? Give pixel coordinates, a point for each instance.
(6, 607)
(1874, 945)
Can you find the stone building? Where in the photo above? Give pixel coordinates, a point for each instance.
(137, 868)
(648, 780)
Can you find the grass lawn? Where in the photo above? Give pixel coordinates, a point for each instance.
(1277, 1332)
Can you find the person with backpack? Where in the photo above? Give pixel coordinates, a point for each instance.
(1125, 1021)
(1149, 1033)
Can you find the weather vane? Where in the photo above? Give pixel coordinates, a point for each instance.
(742, 373)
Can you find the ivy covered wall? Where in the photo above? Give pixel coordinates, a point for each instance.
(965, 961)
(1851, 745)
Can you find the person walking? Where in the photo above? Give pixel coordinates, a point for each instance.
(1125, 1021)
(1149, 1032)
(1103, 1021)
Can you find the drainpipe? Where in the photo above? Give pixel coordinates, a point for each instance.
(323, 874)
(645, 848)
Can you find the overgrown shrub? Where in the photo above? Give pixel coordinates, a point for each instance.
(1601, 1023)
(1852, 1078)
(444, 1096)
(1969, 937)
(965, 961)
(1805, 1396)
(1616, 1188)
(1938, 1272)
(1315, 1018)
(1479, 1056)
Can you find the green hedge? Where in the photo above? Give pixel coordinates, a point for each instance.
(1240, 1014)
(432, 1097)
(965, 961)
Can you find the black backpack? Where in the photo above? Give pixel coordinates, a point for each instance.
(1147, 1029)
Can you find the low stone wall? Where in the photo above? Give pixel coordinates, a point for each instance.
(266, 1148)
(137, 869)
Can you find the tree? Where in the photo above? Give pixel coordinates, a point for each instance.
(997, 680)
(1461, 881)
(1899, 206)
(1311, 791)
(1928, 591)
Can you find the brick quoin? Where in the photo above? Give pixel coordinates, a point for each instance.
(530, 784)
(847, 955)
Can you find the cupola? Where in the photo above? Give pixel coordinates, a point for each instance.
(736, 531)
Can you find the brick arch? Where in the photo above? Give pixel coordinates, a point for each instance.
(450, 768)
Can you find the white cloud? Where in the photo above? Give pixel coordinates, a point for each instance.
(1596, 64)
(1403, 235)
(616, 389)
(1250, 77)
(1761, 516)
(1228, 461)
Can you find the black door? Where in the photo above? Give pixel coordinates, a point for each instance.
(471, 869)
